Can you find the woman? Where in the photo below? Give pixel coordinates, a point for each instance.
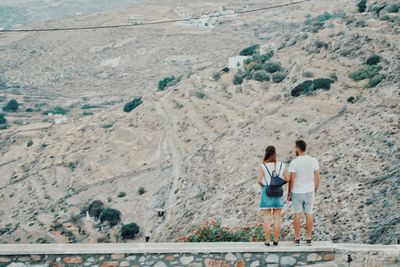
(271, 206)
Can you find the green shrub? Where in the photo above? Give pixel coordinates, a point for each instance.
(272, 67)
(322, 83)
(166, 82)
(351, 99)
(238, 78)
(87, 113)
(260, 75)
(57, 110)
(141, 190)
(134, 103)
(373, 60)
(277, 77)
(11, 106)
(121, 194)
(308, 87)
(200, 95)
(129, 231)
(3, 119)
(111, 216)
(362, 6)
(225, 69)
(249, 51)
(261, 59)
(304, 88)
(320, 44)
(88, 106)
(374, 81)
(4, 126)
(393, 8)
(95, 208)
(365, 72)
(30, 143)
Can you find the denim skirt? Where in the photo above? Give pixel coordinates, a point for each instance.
(267, 202)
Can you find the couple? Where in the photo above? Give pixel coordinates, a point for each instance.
(303, 177)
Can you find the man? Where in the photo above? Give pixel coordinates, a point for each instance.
(303, 184)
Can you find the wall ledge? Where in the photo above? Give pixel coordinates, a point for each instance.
(160, 248)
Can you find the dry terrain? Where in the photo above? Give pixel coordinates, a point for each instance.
(195, 147)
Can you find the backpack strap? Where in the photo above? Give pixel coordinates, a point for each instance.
(265, 179)
(280, 168)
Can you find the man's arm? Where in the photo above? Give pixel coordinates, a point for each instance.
(291, 183)
(316, 180)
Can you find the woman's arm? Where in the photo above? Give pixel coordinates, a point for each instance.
(260, 177)
(286, 175)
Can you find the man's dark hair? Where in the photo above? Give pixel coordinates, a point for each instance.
(301, 145)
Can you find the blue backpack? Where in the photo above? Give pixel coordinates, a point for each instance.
(274, 188)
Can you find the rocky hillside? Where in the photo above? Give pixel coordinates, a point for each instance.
(330, 76)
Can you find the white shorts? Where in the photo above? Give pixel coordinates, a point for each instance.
(303, 202)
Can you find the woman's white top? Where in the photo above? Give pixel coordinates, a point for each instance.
(271, 168)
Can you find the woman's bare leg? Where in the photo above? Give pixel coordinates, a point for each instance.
(277, 224)
(267, 225)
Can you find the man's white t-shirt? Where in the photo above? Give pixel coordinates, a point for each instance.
(304, 167)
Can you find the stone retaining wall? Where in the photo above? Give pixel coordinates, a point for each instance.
(197, 255)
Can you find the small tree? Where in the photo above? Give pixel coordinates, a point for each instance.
(3, 119)
(95, 208)
(373, 60)
(164, 83)
(237, 79)
(130, 230)
(249, 51)
(134, 103)
(277, 77)
(362, 6)
(111, 216)
(272, 67)
(260, 75)
(141, 190)
(11, 106)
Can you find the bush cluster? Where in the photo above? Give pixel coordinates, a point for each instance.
(369, 71)
(362, 6)
(95, 208)
(308, 87)
(249, 51)
(11, 106)
(134, 103)
(129, 231)
(277, 77)
(111, 216)
(141, 190)
(365, 72)
(259, 68)
(166, 82)
(315, 24)
(213, 231)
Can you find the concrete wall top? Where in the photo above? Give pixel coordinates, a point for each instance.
(159, 248)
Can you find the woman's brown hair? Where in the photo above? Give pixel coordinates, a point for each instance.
(270, 154)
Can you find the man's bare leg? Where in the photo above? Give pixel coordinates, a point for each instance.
(296, 225)
(267, 225)
(309, 225)
(277, 224)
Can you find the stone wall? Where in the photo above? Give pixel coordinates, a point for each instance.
(197, 255)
